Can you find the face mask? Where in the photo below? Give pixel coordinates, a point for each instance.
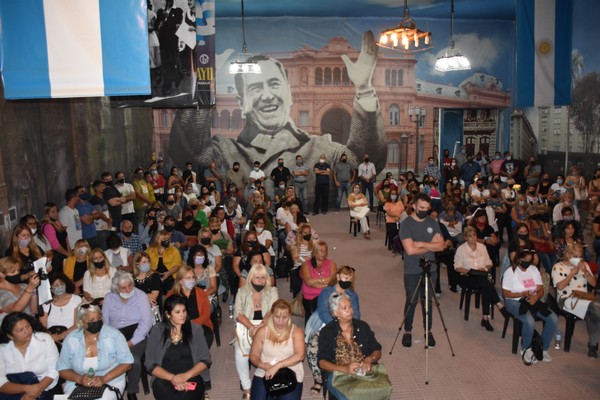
(33, 231)
(431, 163)
(288, 203)
(169, 228)
(321, 160)
(344, 160)
(14, 279)
(575, 260)
(387, 185)
(497, 157)
(126, 295)
(356, 191)
(307, 237)
(165, 243)
(154, 172)
(421, 214)
(215, 231)
(522, 203)
(189, 283)
(508, 158)
(121, 181)
(59, 290)
(144, 267)
(367, 159)
(256, 169)
(252, 243)
(259, 229)
(345, 284)
(453, 164)
(205, 241)
(137, 176)
(282, 186)
(171, 202)
(280, 164)
(524, 264)
(393, 197)
(189, 218)
(463, 151)
(568, 218)
(82, 251)
(194, 207)
(495, 195)
(99, 264)
(258, 288)
(94, 327)
(455, 182)
(510, 185)
(24, 242)
(109, 183)
(559, 181)
(85, 196)
(199, 260)
(480, 185)
(126, 234)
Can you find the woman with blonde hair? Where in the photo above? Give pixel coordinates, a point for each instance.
(301, 251)
(76, 264)
(278, 345)
(315, 273)
(164, 258)
(24, 249)
(252, 306)
(359, 209)
(97, 279)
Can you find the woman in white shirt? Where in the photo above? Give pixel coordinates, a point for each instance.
(97, 279)
(522, 288)
(473, 263)
(119, 257)
(59, 315)
(26, 356)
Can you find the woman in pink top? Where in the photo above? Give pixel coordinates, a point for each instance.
(57, 236)
(315, 275)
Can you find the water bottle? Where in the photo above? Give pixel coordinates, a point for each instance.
(91, 373)
(231, 308)
(558, 340)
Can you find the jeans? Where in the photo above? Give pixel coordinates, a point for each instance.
(321, 197)
(368, 186)
(528, 321)
(259, 391)
(343, 188)
(410, 284)
(300, 188)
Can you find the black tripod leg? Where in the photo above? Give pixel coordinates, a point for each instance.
(411, 304)
(437, 305)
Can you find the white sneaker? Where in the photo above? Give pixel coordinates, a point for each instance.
(528, 357)
(547, 357)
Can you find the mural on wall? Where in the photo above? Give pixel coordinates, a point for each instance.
(317, 106)
(181, 42)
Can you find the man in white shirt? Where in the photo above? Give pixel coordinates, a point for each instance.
(256, 175)
(127, 191)
(69, 217)
(367, 175)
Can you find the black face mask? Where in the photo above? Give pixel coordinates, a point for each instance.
(345, 284)
(171, 202)
(258, 288)
(344, 160)
(194, 207)
(169, 229)
(523, 236)
(94, 327)
(307, 237)
(387, 185)
(14, 279)
(260, 215)
(99, 264)
(165, 243)
(252, 243)
(108, 183)
(524, 264)
(288, 203)
(422, 214)
(189, 217)
(126, 234)
(215, 231)
(121, 181)
(205, 241)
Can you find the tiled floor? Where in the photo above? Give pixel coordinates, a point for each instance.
(482, 366)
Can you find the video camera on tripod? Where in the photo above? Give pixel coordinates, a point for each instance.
(425, 264)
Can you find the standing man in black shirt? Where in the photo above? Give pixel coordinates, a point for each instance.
(322, 171)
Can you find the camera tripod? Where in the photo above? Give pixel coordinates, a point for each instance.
(425, 280)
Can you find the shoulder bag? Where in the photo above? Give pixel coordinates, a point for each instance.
(283, 382)
(375, 385)
(242, 334)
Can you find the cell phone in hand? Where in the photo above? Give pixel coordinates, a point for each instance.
(191, 385)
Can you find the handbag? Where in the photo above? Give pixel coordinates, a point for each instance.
(92, 392)
(576, 306)
(297, 306)
(283, 382)
(546, 247)
(242, 334)
(580, 194)
(22, 378)
(375, 385)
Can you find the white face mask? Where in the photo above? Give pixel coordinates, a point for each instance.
(33, 231)
(393, 197)
(321, 160)
(259, 229)
(356, 191)
(126, 295)
(575, 260)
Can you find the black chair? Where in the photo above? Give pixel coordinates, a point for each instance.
(570, 321)
(517, 329)
(380, 216)
(355, 225)
(465, 299)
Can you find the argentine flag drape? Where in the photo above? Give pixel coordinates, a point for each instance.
(544, 31)
(74, 48)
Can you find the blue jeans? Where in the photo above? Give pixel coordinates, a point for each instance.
(343, 188)
(368, 186)
(259, 391)
(410, 284)
(300, 188)
(528, 321)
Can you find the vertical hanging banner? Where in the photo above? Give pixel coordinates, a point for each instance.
(74, 48)
(205, 53)
(544, 32)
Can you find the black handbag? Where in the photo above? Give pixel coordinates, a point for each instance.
(92, 392)
(282, 383)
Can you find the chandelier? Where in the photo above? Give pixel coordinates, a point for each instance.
(244, 63)
(406, 36)
(452, 60)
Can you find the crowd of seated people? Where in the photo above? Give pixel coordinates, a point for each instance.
(145, 281)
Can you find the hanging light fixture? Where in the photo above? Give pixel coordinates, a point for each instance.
(452, 60)
(406, 36)
(244, 63)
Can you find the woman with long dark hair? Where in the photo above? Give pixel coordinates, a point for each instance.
(177, 354)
